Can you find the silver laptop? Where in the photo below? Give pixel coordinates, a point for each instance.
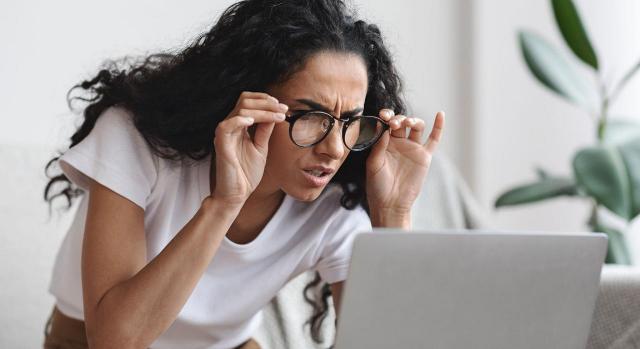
(470, 290)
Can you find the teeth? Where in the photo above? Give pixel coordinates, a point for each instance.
(317, 173)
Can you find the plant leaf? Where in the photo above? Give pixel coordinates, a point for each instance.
(630, 152)
(554, 71)
(625, 79)
(604, 173)
(634, 69)
(573, 31)
(617, 251)
(544, 188)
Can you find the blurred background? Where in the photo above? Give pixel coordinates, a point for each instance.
(460, 56)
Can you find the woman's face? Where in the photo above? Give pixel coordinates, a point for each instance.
(329, 81)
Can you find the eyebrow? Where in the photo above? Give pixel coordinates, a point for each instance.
(318, 106)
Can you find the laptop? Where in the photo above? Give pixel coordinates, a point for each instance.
(464, 289)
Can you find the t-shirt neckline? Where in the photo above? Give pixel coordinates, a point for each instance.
(203, 186)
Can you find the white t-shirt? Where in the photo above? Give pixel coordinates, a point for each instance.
(224, 308)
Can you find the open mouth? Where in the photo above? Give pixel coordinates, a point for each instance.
(317, 173)
(317, 176)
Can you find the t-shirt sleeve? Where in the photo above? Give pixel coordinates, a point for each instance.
(335, 256)
(115, 155)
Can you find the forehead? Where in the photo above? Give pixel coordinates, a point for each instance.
(335, 80)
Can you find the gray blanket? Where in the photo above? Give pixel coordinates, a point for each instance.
(616, 320)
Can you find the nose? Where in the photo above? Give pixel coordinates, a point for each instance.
(332, 145)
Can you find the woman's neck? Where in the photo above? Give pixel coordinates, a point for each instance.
(256, 212)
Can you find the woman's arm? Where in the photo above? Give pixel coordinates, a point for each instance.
(389, 219)
(127, 302)
(336, 294)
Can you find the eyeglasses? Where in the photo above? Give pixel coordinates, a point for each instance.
(309, 127)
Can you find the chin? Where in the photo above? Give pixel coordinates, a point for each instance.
(304, 194)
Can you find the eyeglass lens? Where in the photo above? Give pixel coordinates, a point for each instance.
(361, 132)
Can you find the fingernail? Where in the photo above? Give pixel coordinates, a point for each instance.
(280, 116)
(283, 107)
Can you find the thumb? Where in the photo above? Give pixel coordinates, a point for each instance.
(262, 135)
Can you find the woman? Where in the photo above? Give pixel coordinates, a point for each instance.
(218, 173)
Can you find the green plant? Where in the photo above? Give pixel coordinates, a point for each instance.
(607, 173)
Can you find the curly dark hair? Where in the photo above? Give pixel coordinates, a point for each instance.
(178, 98)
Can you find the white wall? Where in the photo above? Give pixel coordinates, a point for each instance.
(518, 124)
(50, 46)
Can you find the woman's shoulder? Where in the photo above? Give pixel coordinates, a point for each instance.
(119, 123)
(115, 154)
(117, 126)
(117, 118)
(114, 126)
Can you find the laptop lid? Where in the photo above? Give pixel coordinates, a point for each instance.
(470, 290)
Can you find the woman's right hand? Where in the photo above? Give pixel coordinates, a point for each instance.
(239, 159)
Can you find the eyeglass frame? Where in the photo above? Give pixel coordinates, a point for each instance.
(294, 116)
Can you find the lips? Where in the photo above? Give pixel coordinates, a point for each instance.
(319, 171)
(317, 176)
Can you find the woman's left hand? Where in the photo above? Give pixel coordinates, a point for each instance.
(397, 167)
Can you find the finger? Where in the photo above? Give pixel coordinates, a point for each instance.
(386, 114)
(436, 133)
(233, 125)
(262, 115)
(397, 129)
(416, 128)
(263, 104)
(255, 95)
(262, 135)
